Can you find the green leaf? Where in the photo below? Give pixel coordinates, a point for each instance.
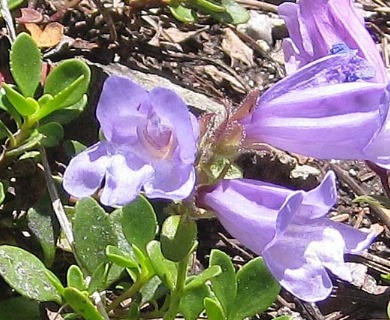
(26, 274)
(256, 290)
(153, 290)
(19, 308)
(30, 143)
(66, 114)
(2, 193)
(81, 304)
(26, 64)
(67, 83)
(54, 281)
(283, 318)
(386, 277)
(177, 237)
(7, 106)
(204, 276)
(93, 233)
(44, 227)
(75, 278)
(191, 303)
(23, 106)
(388, 310)
(235, 13)
(120, 258)
(165, 269)
(139, 222)
(73, 147)
(207, 6)
(52, 134)
(182, 13)
(224, 285)
(377, 201)
(214, 310)
(12, 4)
(99, 278)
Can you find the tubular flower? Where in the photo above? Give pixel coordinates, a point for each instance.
(289, 229)
(151, 142)
(324, 110)
(315, 26)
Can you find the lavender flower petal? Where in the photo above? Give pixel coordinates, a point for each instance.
(171, 108)
(337, 122)
(151, 143)
(290, 230)
(117, 110)
(85, 172)
(124, 179)
(179, 185)
(315, 26)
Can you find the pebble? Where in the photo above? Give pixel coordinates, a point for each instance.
(258, 27)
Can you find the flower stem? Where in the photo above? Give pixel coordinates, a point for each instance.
(137, 285)
(178, 291)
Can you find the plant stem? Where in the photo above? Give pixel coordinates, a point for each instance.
(65, 223)
(7, 131)
(178, 291)
(56, 201)
(143, 279)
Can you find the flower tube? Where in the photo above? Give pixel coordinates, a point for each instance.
(151, 143)
(315, 26)
(290, 230)
(324, 110)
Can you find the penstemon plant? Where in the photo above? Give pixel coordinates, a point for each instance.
(133, 253)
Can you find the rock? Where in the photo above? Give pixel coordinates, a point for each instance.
(258, 27)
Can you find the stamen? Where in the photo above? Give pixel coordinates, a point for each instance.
(358, 68)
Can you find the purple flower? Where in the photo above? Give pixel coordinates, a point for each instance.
(289, 229)
(315, 26)
(325, 110)
(151, 143)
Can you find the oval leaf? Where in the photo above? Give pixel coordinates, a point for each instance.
(224, 285)
(177, 237)
(41, 223)
(165, 269)
(213, 309)
(204, 276)
(120, 258)
(235, 13)
(26, 64)
(93, 233)
(256, 290)
(139, 223)
(26, 274)
(81, 304)
(191, 303)
(23, 106)
(52, 134)
(75, 278)
(69, 81)
(181, 13)
(19, 308)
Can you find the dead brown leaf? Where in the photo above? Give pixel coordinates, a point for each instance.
(177, 36)
(29, 15)
(219, 76)
(237, 50)
(50, 36)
